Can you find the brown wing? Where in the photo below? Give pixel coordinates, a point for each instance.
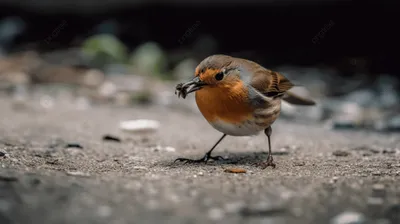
(267, 82)
(272, 84)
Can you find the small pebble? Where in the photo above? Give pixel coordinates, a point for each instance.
(73, 145)
(340, 153)
(376, 173)
(111, 138)
(235, 170)
(349, 218)
(169, 149)
(200, 173)
(166, 149)
(78, 173)
(141, 126)
(2, 154)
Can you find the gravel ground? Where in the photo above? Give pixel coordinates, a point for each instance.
(320, 173)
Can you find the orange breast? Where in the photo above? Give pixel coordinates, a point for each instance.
(228, 103)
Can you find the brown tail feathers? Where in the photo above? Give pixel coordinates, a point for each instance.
(297, 100)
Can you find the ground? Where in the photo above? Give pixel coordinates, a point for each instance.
(320, 173)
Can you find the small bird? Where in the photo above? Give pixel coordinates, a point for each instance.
(238, 97)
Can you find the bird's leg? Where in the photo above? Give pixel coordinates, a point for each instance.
(206, 157)
(270, 160)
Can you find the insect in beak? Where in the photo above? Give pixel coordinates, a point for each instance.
(193, 85)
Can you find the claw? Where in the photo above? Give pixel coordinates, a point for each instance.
(269, 162)
(204, 159)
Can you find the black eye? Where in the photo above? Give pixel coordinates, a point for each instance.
(219, 76)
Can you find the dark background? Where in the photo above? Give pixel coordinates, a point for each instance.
(270, 33)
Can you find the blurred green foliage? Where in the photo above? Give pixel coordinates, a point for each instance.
(149, 59)
(104, 49)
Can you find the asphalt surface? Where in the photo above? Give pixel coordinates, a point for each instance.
(320, 173)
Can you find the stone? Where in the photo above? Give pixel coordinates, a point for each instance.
(340, 153)
(349, 217)
(78, 173)
(141, 126)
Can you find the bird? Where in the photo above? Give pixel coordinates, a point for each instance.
(238, 97)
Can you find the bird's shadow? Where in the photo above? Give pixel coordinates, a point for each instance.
(241, 158)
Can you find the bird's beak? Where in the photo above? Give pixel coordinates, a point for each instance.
(193, 85)
(189, 87)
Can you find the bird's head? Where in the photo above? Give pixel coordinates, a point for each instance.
(216, 71)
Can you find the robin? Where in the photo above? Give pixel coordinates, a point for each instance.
(238, 97)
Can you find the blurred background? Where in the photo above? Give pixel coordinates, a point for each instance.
(77, 54)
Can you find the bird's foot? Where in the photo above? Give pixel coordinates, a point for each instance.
(269, 162)
(205, 158)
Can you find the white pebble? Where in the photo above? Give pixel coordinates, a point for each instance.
(141, 126)
(78, 173)
(161, 148)
(170, 149)
(349, 218)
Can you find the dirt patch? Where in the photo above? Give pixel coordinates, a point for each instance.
(134, 180)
